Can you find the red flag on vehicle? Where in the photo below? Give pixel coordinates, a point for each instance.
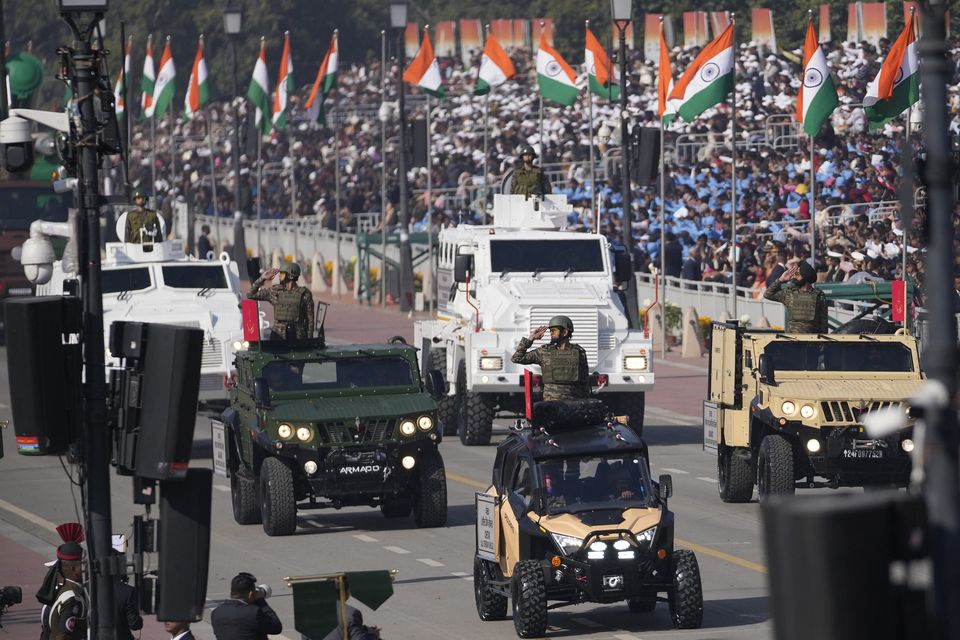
(250, 312)
(898, 299)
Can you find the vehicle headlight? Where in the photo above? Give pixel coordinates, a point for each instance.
(304, 434)
(621, 545)
(807, 411)
(310, 467)
(567, 544)
(285, 431)
(407, 428)
(425, 423)
(645, 538)
(788, 407)
(634, 363)
(491, 363)
(598, 545)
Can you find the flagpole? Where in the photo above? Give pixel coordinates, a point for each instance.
(213, 184)
(173, 149)
(429, 300)
(813, 205)
(543, 146)
(259, 190)
(486, 134)
(125, 138)
(293, 194)
(903, 227)
(663, 240)
(337, 289)
(733, 180)
(593, 171)
(383, 169)
(153, 159)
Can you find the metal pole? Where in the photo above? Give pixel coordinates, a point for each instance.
(633, 303)
(733, 182)
(486, 152)
(260, 191)
(153, 159)
(406, 254)
(96, 436)
(593, 171)
(4, 107)
(383, 171)
(337, 287)
(236, 134)
(293, 195)
(125, 135)
(941, 448)
(430, 272)
(663, 244)
(543, 143)
(213, 182)
(813, 207)
(173, 150)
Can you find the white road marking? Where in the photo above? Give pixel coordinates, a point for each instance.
(627, 636)
(677, 471)
(399, 550)
(26, 515)
(430, 562)
(363, 538)
(462, 575)
(682, 365)
(710, 480)
(220, 487)
(586, 622)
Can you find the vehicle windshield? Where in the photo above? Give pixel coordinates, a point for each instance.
(207, 276)
(21, 205)
(839, 356)
(117, 280)
(338, 374)
(595, 482)
(514, 256)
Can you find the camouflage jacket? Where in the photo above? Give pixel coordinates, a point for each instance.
(806, 310)
(565, 372)
(532, 182)
(146, 220)
(290, 307)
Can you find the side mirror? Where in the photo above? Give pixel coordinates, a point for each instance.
(434, 384)
(666, 486)
(766, 369)
(462, 267)
(539, 501)
(261, 393)
(253, 268)
(621, 267)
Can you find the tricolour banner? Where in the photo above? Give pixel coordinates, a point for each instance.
(411, 40)
(521, 34)
(471, 40)
(825, 23)
(502, 30)
(718, 22)
(695, 28)
(762, 28)
(874, 16)
(651, 36)
(446, 41)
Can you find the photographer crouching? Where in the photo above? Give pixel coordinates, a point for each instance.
(247, 616)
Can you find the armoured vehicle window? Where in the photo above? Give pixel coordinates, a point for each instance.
(117, 280)
(345, 373)
(839, 356)
(595, 482)
(545, 255)
(195, 277)
(522, 482)
(19, 206)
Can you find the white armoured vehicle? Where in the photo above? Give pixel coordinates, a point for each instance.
(158, 282)
(497, 283)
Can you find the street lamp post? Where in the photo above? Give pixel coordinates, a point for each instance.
(232, 23)
(621, 11)
(398, 21)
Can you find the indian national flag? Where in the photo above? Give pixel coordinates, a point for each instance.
(496, 67)
(424, 71)
(197, 87)
(557, 80)
(120, 89)
(259, 90)
(326, 80)
(708, 80)
(165, 87)
(897, 86)
(147, 81)
(818, 95)
(601, 75)
(281, 97)
(666, 108)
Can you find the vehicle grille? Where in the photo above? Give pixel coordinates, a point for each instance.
(606, 341)
(585, 331)
(341, 432)
(211, 382)
(840, 411)
(212, 353)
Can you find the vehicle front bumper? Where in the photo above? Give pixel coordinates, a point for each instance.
(501, 382)
(607, 580)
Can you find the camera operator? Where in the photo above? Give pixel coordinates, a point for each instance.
(247, 616)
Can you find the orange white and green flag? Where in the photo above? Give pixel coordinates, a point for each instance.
(496, 67)
(602, 76)
(556, 79)
(424, 72)
(197, 92)
(147, 79)
(708, 80)
(897, 85)
(666, 108)
(285, 86)
(326, 79)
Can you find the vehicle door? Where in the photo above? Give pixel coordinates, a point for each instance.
(514, 504)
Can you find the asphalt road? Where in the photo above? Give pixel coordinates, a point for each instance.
(433, 589)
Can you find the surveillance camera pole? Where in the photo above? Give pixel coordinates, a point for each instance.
(96, 441)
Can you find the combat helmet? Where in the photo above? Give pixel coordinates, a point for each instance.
(137, 193)
(526, 149)
(292, 269)
(562, 322)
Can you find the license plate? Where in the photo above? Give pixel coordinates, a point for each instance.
(612, 583)
(862, 453)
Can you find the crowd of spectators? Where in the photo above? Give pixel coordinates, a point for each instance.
(858, 172)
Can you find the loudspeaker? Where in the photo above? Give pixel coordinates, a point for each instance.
(44, 372)
(168, 400)
(184, 546)
(644, 155)
(416, 142)
(834, 563)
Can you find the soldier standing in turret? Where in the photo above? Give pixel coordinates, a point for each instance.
(292, 304)
(806, 305)
(142, 224)
(563, 364)
(529, 179)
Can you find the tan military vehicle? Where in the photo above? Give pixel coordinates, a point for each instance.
(785, 410)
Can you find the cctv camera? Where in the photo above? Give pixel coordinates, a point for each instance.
(37, 258)
(17, 144)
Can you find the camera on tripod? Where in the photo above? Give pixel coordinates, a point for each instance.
(9, 596)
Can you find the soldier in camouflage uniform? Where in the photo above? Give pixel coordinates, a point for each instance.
(529, 179)
(143, 225)
(806, 306)
(292, 304)
(563, 365)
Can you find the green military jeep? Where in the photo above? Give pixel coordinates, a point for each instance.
(312, 426)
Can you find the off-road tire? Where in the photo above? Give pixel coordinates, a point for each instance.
(775, 467)
(243, 495)
(490, 604)
(447, 406)
(476, 412)
(430, 492)
(686, 598)
(735, 476)
(642, 604)
(396, 507)
(529, 591)
(278, 506)
(628, 404)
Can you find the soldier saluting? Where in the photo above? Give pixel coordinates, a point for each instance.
(563, 364)
(806, 305)
(292, 304)
(528, 178)
(142, 224)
